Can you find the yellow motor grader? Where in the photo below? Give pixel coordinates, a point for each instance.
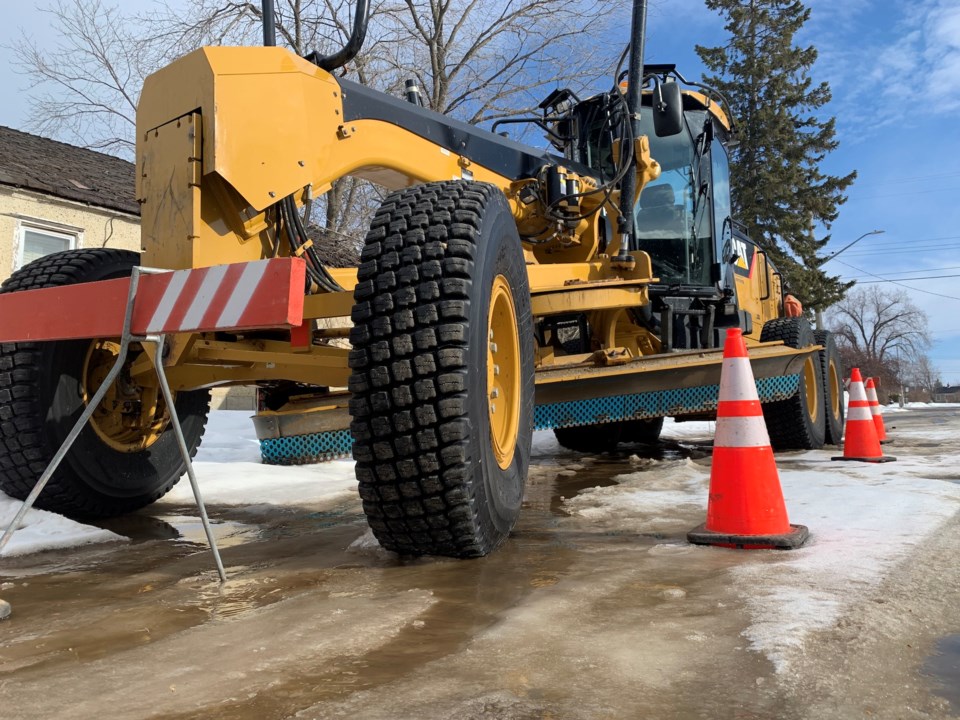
(501, 288)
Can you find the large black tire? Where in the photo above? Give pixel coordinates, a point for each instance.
(429, 472)
(606, 436)
(590, 438)
(797, 423)
(832, 368)
(41, 397)
(645, 431)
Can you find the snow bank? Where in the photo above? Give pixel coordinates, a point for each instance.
(42, 530)
(229, 472)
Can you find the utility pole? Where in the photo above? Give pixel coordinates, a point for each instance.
(900, 375)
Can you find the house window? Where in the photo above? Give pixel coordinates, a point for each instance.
(35, 241)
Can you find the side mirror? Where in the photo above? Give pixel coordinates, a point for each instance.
(667, 109)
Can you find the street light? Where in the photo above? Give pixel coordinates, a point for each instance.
(850, 245)
(819, 311)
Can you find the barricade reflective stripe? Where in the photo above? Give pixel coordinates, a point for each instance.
(171, 295)
(243, 292)
(262, 293)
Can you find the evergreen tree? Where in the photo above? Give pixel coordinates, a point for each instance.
(780, 194)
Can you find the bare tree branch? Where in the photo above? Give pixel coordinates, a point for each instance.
(476, 59)
(882, 332)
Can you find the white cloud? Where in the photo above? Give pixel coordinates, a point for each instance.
(887, 71)
(942, 54)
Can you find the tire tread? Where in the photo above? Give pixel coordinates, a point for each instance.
(786, 420)
(410, 422)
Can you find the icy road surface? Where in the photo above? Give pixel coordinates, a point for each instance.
(595, 608)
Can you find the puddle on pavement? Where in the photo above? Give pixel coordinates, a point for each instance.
(944, 667)
(567, 475)
(933, 476)
(101, 599)
(231, 525)
(471, 596)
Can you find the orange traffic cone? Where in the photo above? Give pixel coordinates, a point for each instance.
(875, 411)
(745, 507)
(860, 441)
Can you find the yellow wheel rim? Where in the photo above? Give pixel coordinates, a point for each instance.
(834, 378)
(810, 381)
(131, 417)
(503, 372)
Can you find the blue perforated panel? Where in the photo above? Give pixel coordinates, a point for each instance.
(653, 404)
(781, 387)
(318, 447)
(300, 449)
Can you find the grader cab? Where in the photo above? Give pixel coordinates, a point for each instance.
(501, 289)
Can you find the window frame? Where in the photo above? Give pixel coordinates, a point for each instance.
(72, 234)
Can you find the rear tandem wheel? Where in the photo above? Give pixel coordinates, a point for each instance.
(832, 368)
(606, 436)
(797, 423)
(442, 364)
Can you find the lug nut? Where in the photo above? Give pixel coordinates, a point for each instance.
(495, 393)
(493, 347)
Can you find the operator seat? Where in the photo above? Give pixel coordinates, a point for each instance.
(659, 217)
(660, 232)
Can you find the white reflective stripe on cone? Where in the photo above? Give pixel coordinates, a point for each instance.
(859, 413)
(857, 392)
(736, 380)
(750, 431)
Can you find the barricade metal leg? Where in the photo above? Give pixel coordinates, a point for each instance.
(126, 338)
(185, 452)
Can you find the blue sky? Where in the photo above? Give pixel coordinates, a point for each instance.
(894, 69)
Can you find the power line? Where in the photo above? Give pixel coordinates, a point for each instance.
(912, 246)
(923, 277)
(897, 241)
(900, 195)
(916, 244)
(894, 282)
(912, 251)
(917, 178)
(927, 269)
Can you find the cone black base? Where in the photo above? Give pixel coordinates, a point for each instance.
(882, 459)
(786, 541)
